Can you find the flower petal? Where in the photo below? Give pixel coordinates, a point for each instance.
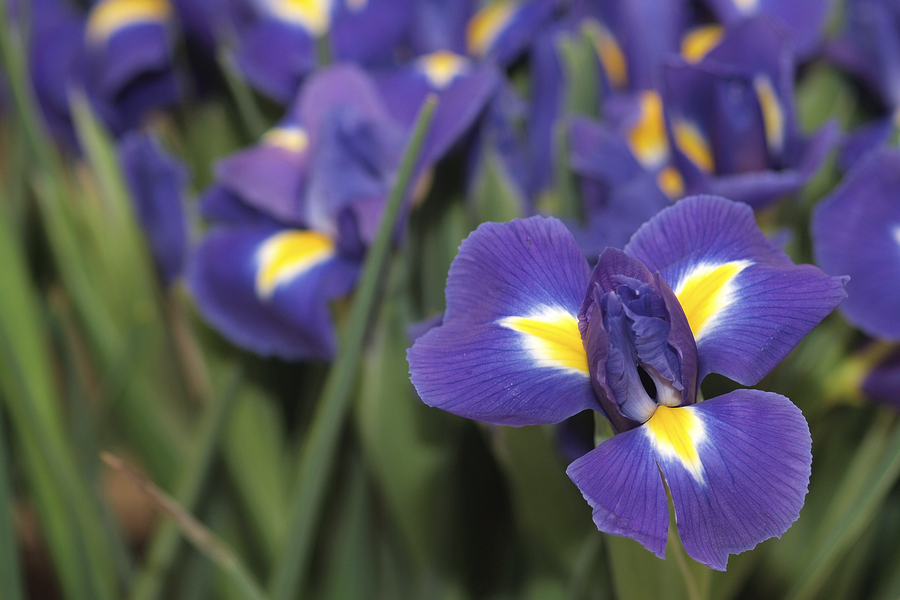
(509, 351)
(620, 480)
(738, 468)
(748, 305)
(856, 230)
(267, 289)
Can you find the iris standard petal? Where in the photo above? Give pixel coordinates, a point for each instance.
(856, 230)
(738, 469)
(267, 289)
(747, 304)
(620, 480)
(509, 350)
(270, 176)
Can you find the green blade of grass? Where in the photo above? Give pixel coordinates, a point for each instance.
(162, 549)
(855, 505)
(69, 516)
(11, 587)
(200, 536)
(320, 445)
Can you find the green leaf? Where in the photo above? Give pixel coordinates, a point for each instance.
(254, 451)
(390, 418)
(869, 477)
(552, 515)
(495, 197)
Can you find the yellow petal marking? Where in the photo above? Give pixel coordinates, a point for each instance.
(706, 291)
(609, 52)
(486, 25)
(286, 255)
(647, 139)
(552, 338)
(694, 145)
(670, 182)
(312, 15)
(294, 139)
(773, 116)
(442, 67)
(697, 42)
(109, 16)
(676, 433)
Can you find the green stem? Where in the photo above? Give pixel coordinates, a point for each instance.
(10, 572)
(320, 445)
(162, 549)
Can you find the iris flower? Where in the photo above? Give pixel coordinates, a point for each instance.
(869, 47)
(121, 53)
(296, 212)
(531, 336)
(856, 230)
(731, 118)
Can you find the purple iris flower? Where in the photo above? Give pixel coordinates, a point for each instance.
(156, 182)
(869, 47)
(856, 230)
(277, 42)
(801, 20)
(121, 54)
(730, 118)
(531, 336)
(297, 211)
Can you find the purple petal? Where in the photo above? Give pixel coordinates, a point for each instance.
(338, 85)
(509, 351)
(369, 32)
(620, 480)
(282, 312)
(274, 57)
(856, 231)
(882, 384)
(747, 303)
(738, 469)
(267, 177)
(156, 182)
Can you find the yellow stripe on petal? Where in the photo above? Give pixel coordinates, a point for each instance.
(552, 338)
(773, 116)
(609, 52)
(294, 139)
(670, 182)
(442, 67)
(691, 141)
(676, 433)
(286, 255)
(484, 28)
(313, 15)
(109, 16)
(697, 42)
(706, 291)
(647, 139)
